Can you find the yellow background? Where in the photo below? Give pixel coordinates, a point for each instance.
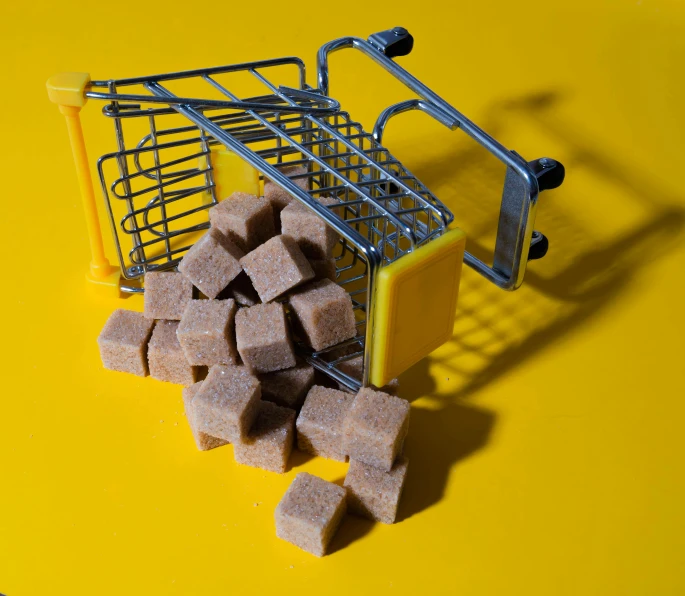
(546, 443)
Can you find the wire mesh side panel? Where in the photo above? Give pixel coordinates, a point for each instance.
(157, 193)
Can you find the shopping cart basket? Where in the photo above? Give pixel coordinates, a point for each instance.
(179, 152)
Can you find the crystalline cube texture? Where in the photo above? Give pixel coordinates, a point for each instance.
(203, 441)
(375, 428)
(320, 424)
(373, 493)
(310, 512)
(276, 267)
(314, 236)
(166, 295)
(288, 387)
(280, 198)
(123, 342)
(246, 220)
(263, 337)
(165, 356)
(206, 332)
(270, 440)
(212, 263)
(323, 313)
(227, 403)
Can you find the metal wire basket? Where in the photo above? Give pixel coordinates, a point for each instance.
(163, 177)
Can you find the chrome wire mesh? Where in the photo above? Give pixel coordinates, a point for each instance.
(159, 187)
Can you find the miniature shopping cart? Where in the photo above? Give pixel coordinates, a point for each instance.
(186, 140)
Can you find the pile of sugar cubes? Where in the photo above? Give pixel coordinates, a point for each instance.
(266, 271)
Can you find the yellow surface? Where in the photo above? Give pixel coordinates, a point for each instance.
(546, 443)
(415, 304)
(231, 173)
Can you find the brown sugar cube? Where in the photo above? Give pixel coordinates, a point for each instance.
(227, 403)
(263, 337)
(310, 513)
(321, 421)
(375, 428)
(323, 313)
(288, 387)
(123, 342)
(203, 441)
(166, 295)
(280, 198)
(323, 268)
(211, 263)
(270, 441)
(276, 267)
(374, 493)
(355, 368)
(206, 332)
(246, 220)
(242, 290)
(311, 232)
(165, 356)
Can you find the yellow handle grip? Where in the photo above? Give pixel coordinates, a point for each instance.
(67, 90)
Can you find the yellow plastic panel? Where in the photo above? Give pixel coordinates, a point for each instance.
(232, 173)
(416, 298)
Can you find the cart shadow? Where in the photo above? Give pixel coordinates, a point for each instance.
(440, 438)
(351, 529)
(582, 275)
(496, 331)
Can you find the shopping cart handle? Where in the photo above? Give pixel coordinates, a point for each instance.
(406, 106)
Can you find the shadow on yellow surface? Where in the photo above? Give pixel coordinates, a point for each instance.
(585, 272)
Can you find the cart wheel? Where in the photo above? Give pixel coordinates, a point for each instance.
(539, 245)
(393, 42)
(549, 172)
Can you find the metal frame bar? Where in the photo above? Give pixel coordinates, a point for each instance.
(519, 200)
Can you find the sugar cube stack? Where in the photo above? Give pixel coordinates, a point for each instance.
(280, 198)
(310, 512)
(227, 403)
(211, 263)
(323, 268)
(166, 295)
(323, 313)
(375, 428)
(242, 290)
(123, 342)
(373, 493)
(320, 425)
(263, 337)
(270, 441)
(288, 387)
(244, 219)
(203, 441)
(276, 266)
(165, 357)
(205, 332)
(258, 395)
(314, 236)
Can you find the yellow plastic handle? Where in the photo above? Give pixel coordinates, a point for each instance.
(68, 90)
